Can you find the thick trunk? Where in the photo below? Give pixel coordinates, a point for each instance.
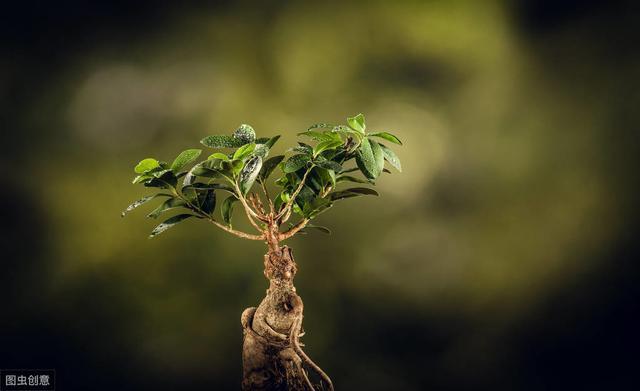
(271, 355)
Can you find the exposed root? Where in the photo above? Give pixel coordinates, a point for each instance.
(294, 340)
(272, 355)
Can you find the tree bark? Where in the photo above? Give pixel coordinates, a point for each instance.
(271, 355)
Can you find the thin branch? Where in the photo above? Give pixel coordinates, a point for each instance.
(295, 193)
(219, 225)
(250, 212)
(266, 194)
(294, 230)
(240, 234)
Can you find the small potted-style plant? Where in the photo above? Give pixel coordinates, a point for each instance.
(310, 182)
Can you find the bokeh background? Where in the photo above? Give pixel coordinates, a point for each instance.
(503, 257)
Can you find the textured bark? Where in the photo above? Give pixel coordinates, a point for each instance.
(272, 358)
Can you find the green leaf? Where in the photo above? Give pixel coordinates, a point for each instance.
(227, 209)
(199, 170)
(387, 136)
(168, 224)
(319, 228)
(219, 141)
(250, 173)
(270, 142)
(208, 186)
(269, 165)
(357, 123)
(315, 207)
(352, 169)
(142, 201)
(367, 161)
(219, 155)
(303, 148)
(261, 150)
(245, 134)
(327, 177)
(207, 201)
(295, 163)
(164, 181)
(326, 145)
(378, 156)
(347, 131)
(171, 203)
(329, 165)
(141, 178)
(320, 125)
(321, 136)
(146, 165)
(353, 192)
(391, 157)
(185, 158)
(235, 166)
(244, 151)
(348, 178)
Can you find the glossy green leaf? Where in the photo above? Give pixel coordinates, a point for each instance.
(244, 151)
(387, 136)
(166, 180)
(319, 228)
(234, 166)
(169, 204)
(295, 163)
(329, 165)
(347, 131)
(219, 155)
(245, 134)
(326, 145)
(207, 186)
(261, 150)
(270, 142)
(391, 157)
(320, 125)
(367, 161)
(169, 223)
(269, 165)
(353, 192)
(207, 201)
(321, 136)
(315, 207)
(249, 173)
(227, 209)
(303, 148)
(141, 178)
(143, 201)
(348, 178)
(357, 123)
(220, 141)
(378, 156)
(185, 158)
(146, 165)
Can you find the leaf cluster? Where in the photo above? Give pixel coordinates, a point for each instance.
(310, 176)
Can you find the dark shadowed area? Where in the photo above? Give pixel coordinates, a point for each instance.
(504, 256)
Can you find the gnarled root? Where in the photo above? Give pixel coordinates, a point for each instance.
(272, 355)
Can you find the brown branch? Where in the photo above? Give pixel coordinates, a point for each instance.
(266, 194)
(294, 230)
(232, 231)
(240, 234)
(250, 212)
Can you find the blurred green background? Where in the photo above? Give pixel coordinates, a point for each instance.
(503, 257)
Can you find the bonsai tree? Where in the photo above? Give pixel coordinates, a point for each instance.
(310, 181)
